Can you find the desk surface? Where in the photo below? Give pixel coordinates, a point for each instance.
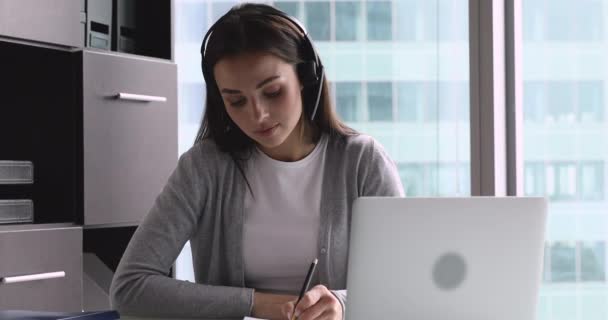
(140, 318)
(25, 314)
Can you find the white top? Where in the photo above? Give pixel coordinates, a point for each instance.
(281, 223)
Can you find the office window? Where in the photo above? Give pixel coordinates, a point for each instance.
(453, 101)
(546, 277)
(192, 98)
(560, 102)
(410, 103)
(379, 20)
(453, 179)
(563, 262)
(292, 8)
(349, 101)
(563, 101)
(534, 175)
(451, 13)
(566, 181)
(563, 20)
(380, 101)
(349, 21)
(534, 100)
(413, 177)
(423, 179)
(593, 261)
(415, 20)
(219, 8)
(317, 20)
(193, 22)
(590, 101)
(591, 182)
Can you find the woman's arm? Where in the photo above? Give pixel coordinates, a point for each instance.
(378, 176)
(141, 285)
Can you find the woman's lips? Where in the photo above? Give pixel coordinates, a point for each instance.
(268, 131)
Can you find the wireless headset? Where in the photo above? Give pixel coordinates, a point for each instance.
(310, 72)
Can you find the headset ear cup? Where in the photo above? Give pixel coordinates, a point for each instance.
(307, 72)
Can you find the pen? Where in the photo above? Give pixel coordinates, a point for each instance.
(311, 270)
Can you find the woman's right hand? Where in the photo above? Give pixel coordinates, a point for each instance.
(268, 306)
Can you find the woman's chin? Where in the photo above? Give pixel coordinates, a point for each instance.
(269, 143)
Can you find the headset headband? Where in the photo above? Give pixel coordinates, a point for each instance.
(314, 68)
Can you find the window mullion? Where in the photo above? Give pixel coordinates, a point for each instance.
(487, 96)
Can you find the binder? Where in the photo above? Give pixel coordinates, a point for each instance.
(125, 35)
(99, 17)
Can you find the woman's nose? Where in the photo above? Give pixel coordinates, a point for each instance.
(260, 110)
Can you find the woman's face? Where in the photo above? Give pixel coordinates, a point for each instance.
(262, 96)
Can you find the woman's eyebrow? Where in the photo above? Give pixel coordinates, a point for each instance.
(233, 91)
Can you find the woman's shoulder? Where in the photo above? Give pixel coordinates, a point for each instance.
(356, 144)
(204, 154)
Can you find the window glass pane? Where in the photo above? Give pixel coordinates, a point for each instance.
(317, 20)
(563, 259)
(453, 101)
(349, 22)
(560, 102)
(591, 182)
(219, 8)
(593, 261)
(379, 20)
(192, 22)
(414, 179)
(563, 20)
(590, 101)
(349, 101)
(292, 8)
(450, 13)
(547, 266)
(416, 20)
(410, 102)
(380, 101)
(564, 83)
(534, 100)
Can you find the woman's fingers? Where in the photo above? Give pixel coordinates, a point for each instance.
(318, 303)
(310, 298)
(318, 311)
(287, 309)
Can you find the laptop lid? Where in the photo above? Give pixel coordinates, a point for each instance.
(445, 258)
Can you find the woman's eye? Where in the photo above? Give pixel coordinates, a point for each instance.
(237, 103)
(273, 94)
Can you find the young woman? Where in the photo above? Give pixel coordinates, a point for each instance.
(266, 188)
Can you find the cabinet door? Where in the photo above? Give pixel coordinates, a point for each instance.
(130, 134)
(56, 22)
(41, 269)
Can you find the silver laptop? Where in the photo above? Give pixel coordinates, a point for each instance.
(477, 258)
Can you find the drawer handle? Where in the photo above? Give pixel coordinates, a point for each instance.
(140, 97)
(34, 277)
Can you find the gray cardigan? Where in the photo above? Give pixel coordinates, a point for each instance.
(203, 202)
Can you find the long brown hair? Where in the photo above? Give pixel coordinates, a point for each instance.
(245, 29)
